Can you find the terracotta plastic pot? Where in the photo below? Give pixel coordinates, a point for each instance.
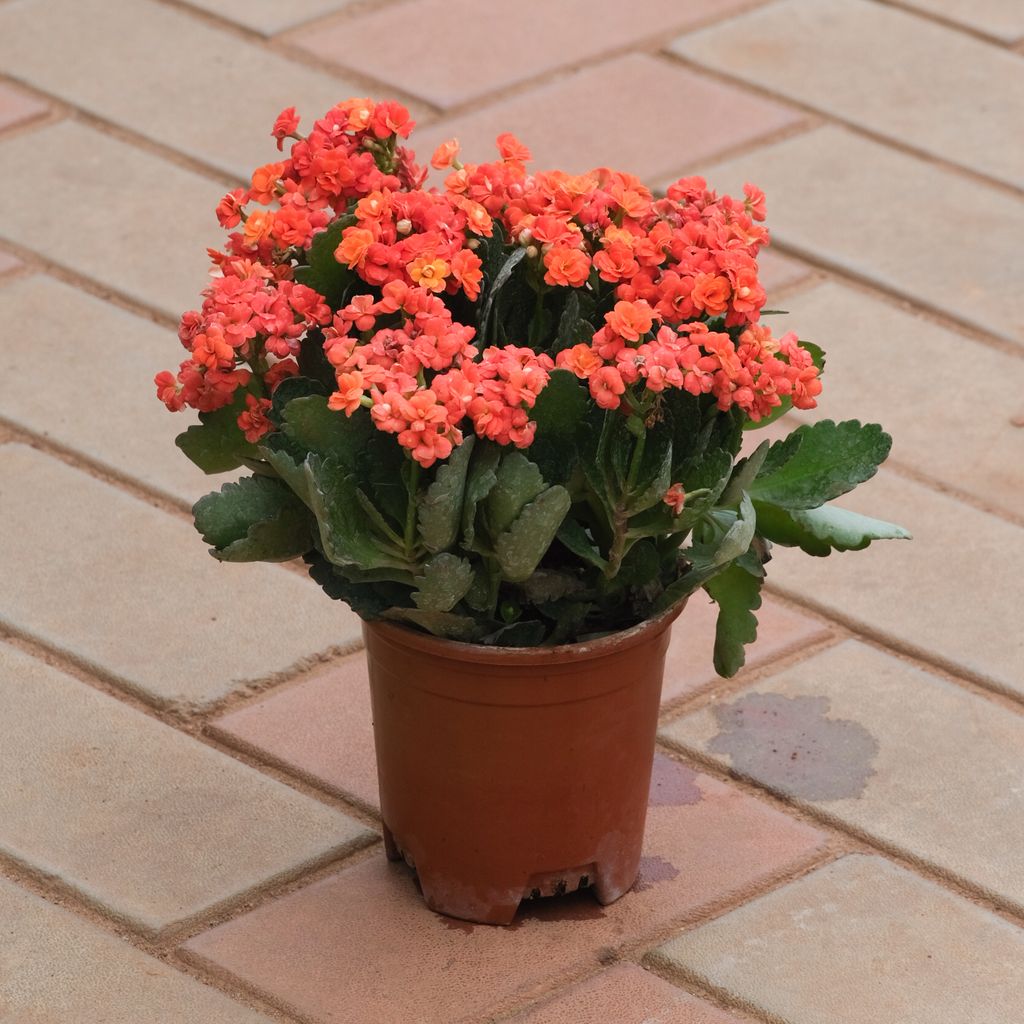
(508, 773)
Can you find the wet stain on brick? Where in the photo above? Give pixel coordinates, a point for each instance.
(791, 744)
(673, 784)
(653, 870)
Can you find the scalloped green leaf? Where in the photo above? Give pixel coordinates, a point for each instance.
(820, 531)
(518, 482)
(445, 581)
(309, 423)
(521, 547)
(346, 535)
(738, 595)
(257, 518)
(216, 444)
(828, 460)
(447, 625)
(440, 511)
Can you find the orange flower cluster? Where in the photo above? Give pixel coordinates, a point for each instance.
(673, 281)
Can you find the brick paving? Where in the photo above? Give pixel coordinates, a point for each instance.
(188, 824)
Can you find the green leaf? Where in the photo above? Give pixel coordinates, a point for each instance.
(500, 280)
(312, 425)
(480, 481)
(440, 511)
(738, 595)
(560, 406)
(828, 460)
(279, 452)
(574, 325)
(442, 624)
(820, 531)
(313, 361)
(216, 444)
(655, 472)
(518, 634)
(519, 481)
(345, 533)
(324, 273)
(708, 558)
(744, 473)
(521, 547)
(445, 581)
(550, 585)
(290, 389)
(574, 537)
(683, 413)
(256, 519)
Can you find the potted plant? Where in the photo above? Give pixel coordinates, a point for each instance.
(502, 420)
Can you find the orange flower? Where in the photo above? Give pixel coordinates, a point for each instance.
(374, 206)
(252, 421)
(466, 270)
(581, 359)
(430, 272)
(566, 267)
(512, 150)
(630, 320)
(711, 293)
(351, 388)
(359, 113)
(258, 226)
(445, 154)
(675, 498)
(264, 182)
(477, 217)
(354, 244)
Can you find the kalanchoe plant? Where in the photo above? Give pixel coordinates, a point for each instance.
(509, 411)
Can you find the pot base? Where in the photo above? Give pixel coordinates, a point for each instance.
(489, 904)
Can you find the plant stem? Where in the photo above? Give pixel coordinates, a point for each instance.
(634, 463)
(410, 508)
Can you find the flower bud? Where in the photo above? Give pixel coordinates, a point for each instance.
(404, 226)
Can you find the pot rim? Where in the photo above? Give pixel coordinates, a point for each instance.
(621, 640)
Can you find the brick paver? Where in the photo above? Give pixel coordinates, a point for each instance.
(929, 234)
(916, 82)
(8, 263)
(942, 429)
(17, 106)
(861, 940)
(321, 949)
(639, 126)
(83, 772)
(124, 587)
(179, 82)
(270, 16)
(903, 590)
(777, 271)
(879, 745)
(56, 968)
(625, 994)
(320, 728)
(689, 664)
(873, 127)
(1001, 19)
(141, 225)
(450, 53)
(43, 382)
